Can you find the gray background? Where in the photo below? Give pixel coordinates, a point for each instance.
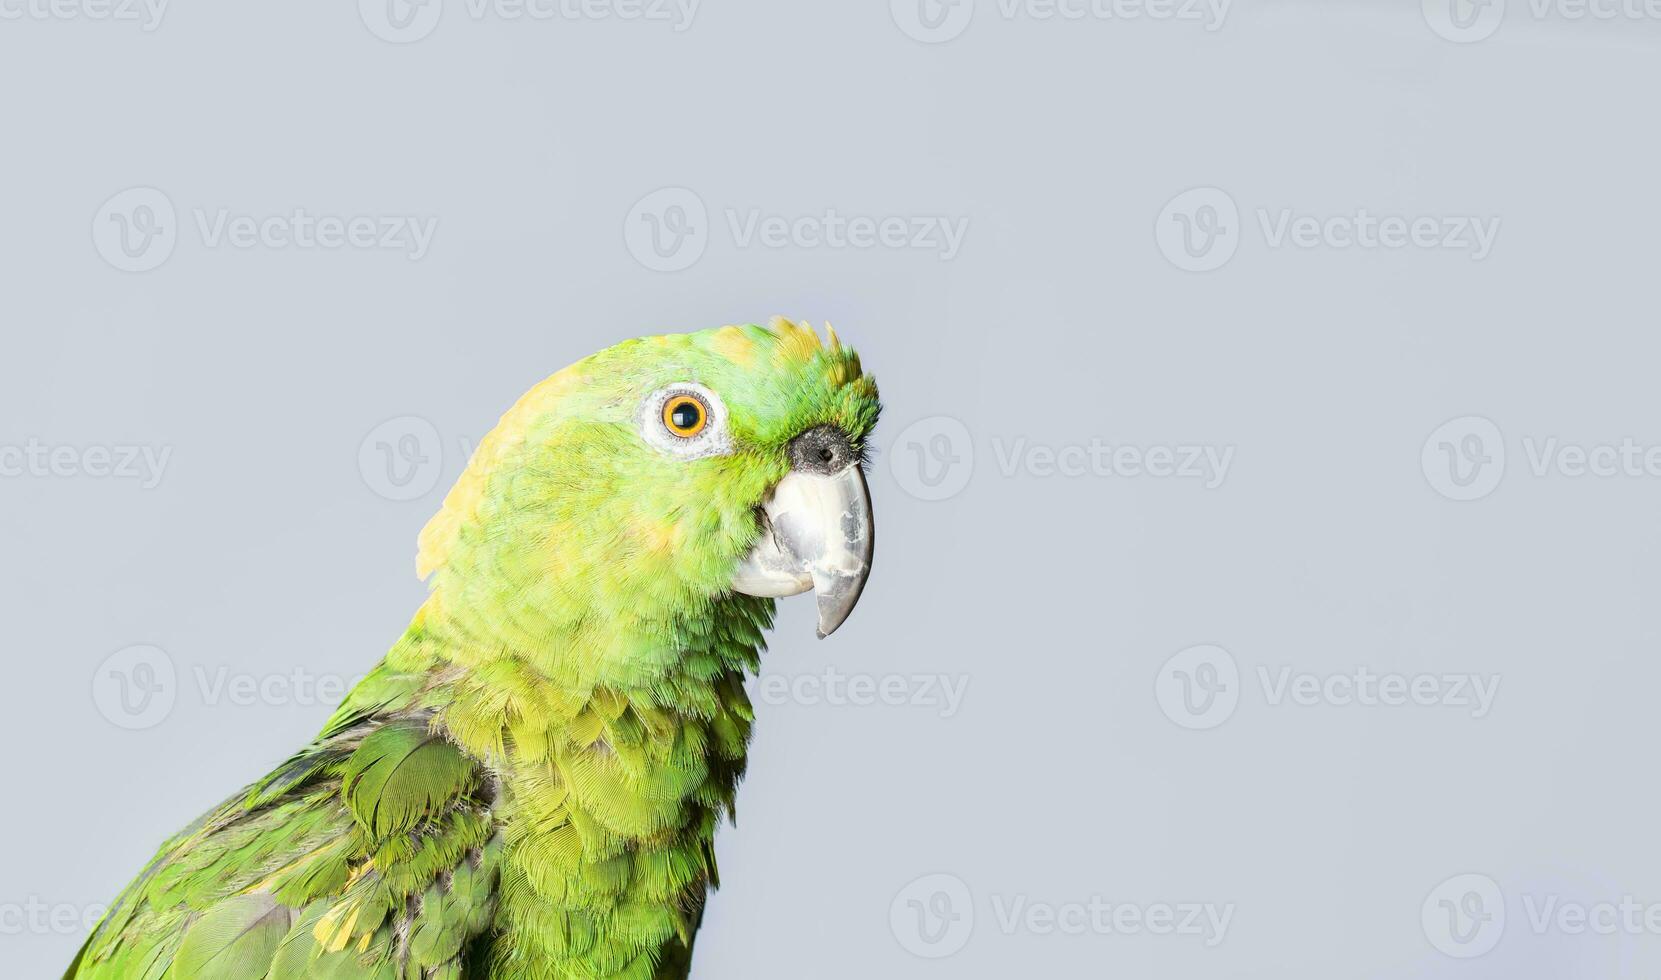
(269, 546)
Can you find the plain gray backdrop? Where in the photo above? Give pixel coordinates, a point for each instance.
(223, 424)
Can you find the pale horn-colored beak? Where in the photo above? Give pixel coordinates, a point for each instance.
(816, 531)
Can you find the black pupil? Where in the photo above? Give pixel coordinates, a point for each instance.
(686, 415)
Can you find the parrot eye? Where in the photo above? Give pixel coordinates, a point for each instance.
(684, 415)
(685, 420)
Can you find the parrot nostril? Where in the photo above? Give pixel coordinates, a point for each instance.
(822, 450)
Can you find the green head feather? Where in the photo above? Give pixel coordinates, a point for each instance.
(580, 514)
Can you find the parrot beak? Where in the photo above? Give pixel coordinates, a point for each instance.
(816, 534)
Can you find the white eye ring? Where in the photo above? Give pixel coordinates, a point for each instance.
(711, 440)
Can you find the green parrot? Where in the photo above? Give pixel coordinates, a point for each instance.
(528, 785)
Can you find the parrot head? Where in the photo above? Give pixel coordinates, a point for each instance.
(631, 491)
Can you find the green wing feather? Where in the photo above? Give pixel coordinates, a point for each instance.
(366, 857)
(233, 940)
